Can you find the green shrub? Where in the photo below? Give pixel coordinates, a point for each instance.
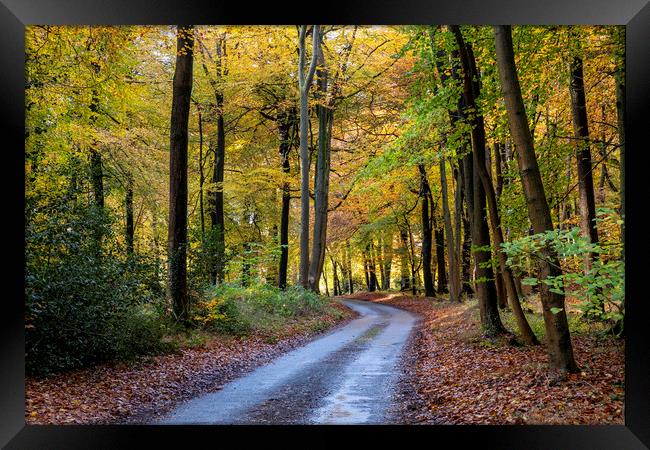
(84, 302)
(233, 309)
(601, 289)
(141, 331)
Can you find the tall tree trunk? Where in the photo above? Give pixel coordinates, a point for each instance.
(128, 202)
(426, 234)
(372, 272)
(405, 284)
(388, 260)
(466, 252)
(458, 213)
(453, 239)
(583, 156)
(379, 250)
(498, 167)
(466, 169)
(604, 175)
(454, 272)
(97, 177)
(218, 223)
(177, 235)
(502, 296)
(304, 81)
(327, 291)
(439, 237)
(467, 256)
(97, 180)
(336, 288)
(96, 170)
(348, 263)
(555, 319)
(414, 285)
(504, 280)
(155, 248)
(286, 121)
(272, 267)
(620, 122)
(341, 279)
(364, 255)
(486, 288)
(321, 182)
(321, 194)
(201, 174)
(502, 292)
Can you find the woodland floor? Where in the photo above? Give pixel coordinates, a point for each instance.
(460, 378)
(450, 375)
(122, 393)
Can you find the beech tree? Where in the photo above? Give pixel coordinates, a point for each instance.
(486, 288)
(583, 155)
(304, 81)
(425, 193)
(471, 92)
(321, 181)
(555, 319)
(177, 236)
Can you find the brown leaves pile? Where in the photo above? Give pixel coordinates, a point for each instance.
(463, 379)
(140, 392)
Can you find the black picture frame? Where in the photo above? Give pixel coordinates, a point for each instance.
(16, 14)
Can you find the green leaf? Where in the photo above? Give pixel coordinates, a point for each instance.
(555, 310)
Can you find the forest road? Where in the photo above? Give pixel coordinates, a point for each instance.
(347, 376)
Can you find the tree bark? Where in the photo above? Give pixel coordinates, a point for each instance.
(327, 291)
(366, 272)
(453, 239)
(498, 167)
(557, 328)
(304, 81)
(96, 170)
(414, 284)
(336, 288)
(217, 215)
(177, 235)
(583, 157)
(486, 288)
(504, 281)
(387, 260)
(97, 176)
(321, 183)
(405, 284)
(371, 277)
(454, 272)
(429, 290)
(285, 123)
(128, 202)
(201, 174)
(502, 292)
(466, 251)
(372, 268)
(620, 119)
(439, 237)
(348, 263)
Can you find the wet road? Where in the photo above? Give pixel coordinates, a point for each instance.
(344, 377)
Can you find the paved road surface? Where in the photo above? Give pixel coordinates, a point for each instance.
(345, 377)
